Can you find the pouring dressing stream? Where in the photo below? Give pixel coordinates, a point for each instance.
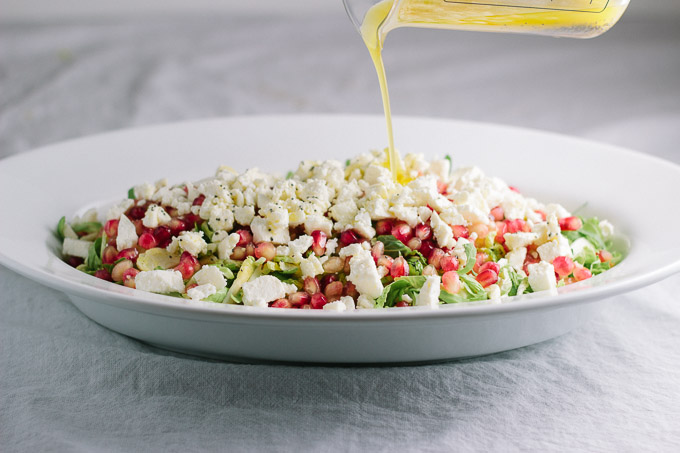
(559, 18)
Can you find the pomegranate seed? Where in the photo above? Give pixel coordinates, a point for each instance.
(481, 230)
(385, 261)
(172, 212)
(186, 269)
(501, 229)
(581, 273)
(119, 269)
(402, 231)
(265, 250)
(377, 251)
(487, 278)
(399, 268)
(460, 231)
(563, 266)
(75, 261)
(348, 237)
(423, 232)
(299, 298)
(187, 257)
(334, 264)
(147, 241)
(479, 260)
(163, 235)
(191, 220)
(103, 274)
(429, 270)
(451, 282)
(570, 223)
(514, 189)
(109, 255)
(516, 226)
(111, 228)
(129, 254)
(328, 279)
(490, 265)
(136, 212)
(245, 238)
(198, 201)
(605, 256)
(383, 227)
(497, 214)
(427, 248)
(333, 291)
(177, 226)
(250, 249)
(318, 301)
(238, 254)
(351, 290)
(414, 244)
(311, 285)
(436, 257)
(442, 188)
(449, 263)
(319, 239)
(281, 303)
(530, 259)
(129, 277)
(543, 215)
(402, 303)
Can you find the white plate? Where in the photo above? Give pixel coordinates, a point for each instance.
(628, 188)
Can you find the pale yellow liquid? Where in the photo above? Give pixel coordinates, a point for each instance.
(571, 18)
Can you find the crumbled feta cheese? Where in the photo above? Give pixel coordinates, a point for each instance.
(521, 239)
(493, 292)
(442, 232)
(127, 234)
(119, 209)
(552, 249)
(212, 275)
(264, 289)
(68, 232)
(144, 191)
(221, 218)
(76, 247)
(318, 222)
(201, 292)
(300, 245)
(542, 276)
(429, 293)
(189, 241)
(606, 228)
(365, 302)
(244, 215)
(226, 246)
(331, 245)
(516, 258)
(337, 305)
(364, 274)
(362, 225)
(349, 302)
(155, 216)
(557, 210)
(160, 281)
(311, 266)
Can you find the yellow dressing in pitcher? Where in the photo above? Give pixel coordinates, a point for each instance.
(567, 18)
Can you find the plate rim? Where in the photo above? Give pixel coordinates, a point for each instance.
(155, 302)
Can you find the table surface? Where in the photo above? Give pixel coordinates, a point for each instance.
(68, 384)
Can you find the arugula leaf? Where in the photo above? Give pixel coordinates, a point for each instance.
(283, 259)
(228, 274)
(471, 255)
(473, 288)
(449, 298)
(495, 252)
(348, 162)
(289, 175)
(394, 291)
(131, 193)
(93, 261)
(233, 266)
(237, 297)
(60, 228)
(416, 264)
(87, 227)
(448, 157)
(395, 248)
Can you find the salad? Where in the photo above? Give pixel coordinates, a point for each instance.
(337, 236)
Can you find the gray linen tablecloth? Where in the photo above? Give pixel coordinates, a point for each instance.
(68, 384)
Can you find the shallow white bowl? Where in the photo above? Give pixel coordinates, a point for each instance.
(627, 188)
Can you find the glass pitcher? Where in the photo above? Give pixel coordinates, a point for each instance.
(563, 18)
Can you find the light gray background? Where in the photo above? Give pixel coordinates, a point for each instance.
(67, 384)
